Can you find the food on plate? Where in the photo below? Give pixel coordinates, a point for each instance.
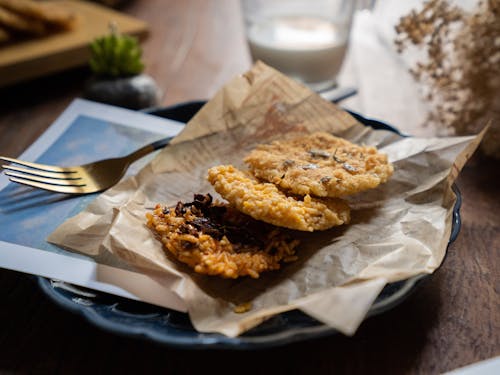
(27, 18)
(215, 239)
(264, 201)
(320, 164)
(294, 184)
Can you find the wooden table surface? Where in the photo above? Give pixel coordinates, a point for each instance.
(194, 47)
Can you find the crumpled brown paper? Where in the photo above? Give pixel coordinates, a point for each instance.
(399, 230)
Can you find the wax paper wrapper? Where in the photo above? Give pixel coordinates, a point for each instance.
(399, 230)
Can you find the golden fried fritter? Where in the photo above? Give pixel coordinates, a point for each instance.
(320, 164)
(264, 201)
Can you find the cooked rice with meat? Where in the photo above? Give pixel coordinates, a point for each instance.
(215, 239)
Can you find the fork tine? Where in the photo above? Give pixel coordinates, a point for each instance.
(50, 187)
(52, 181)
(43, 167)
(40, 173)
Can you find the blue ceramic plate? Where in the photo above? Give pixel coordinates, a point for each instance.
(141, 320)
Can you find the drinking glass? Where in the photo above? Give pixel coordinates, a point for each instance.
(304, 39)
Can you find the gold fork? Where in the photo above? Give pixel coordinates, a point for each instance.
(81, 179)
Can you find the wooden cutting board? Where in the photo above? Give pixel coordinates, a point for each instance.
(39, 56)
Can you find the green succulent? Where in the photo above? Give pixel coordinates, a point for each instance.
(116, 55)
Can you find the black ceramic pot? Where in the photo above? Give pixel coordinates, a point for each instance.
(134, 92)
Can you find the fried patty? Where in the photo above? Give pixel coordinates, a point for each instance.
(264, 201)
(320, 164)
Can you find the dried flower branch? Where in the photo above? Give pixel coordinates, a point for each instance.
(461, 74)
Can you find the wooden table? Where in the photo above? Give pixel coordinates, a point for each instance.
(194, 47)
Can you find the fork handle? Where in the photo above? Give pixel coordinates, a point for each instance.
(143, 151)
(161, 143)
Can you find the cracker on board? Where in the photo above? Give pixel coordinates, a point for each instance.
(4, 35)
(25, 18)
(320, 164)
(50, 13)
(16, 22)
(264, 201)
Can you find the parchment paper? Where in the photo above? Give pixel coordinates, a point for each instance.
(398, 230)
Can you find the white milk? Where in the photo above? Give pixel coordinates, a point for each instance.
(308, 49)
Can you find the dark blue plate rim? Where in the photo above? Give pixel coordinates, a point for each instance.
(143, 321)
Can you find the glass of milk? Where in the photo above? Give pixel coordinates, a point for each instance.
(304, 39)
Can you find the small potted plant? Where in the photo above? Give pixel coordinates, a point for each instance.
(116, 61)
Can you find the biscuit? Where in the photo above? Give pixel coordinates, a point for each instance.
(320, 164)
(215, 239)
(50, 13)
(14, 21)
(264, 201)
(4, 35)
